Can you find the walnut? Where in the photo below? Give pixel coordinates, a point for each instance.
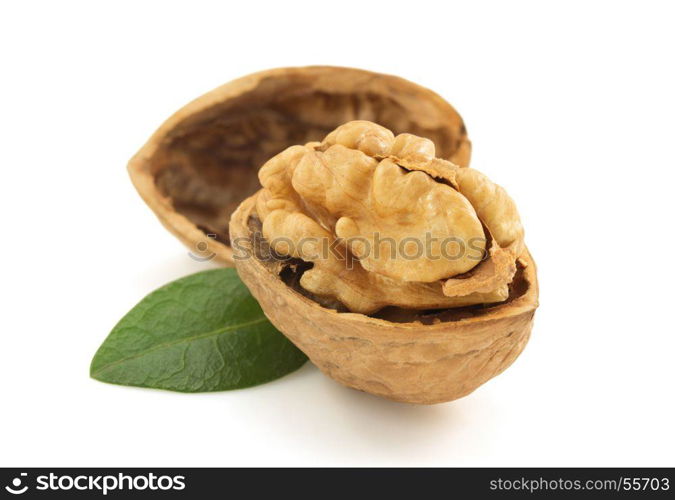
(202, 162)
(388, 312)
(394, 210)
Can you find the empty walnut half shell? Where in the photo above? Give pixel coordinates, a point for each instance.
(203, 161)
(343, 249)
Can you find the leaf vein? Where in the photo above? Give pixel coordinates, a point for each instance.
(212, 333)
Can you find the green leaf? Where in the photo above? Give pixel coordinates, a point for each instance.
(204, 332)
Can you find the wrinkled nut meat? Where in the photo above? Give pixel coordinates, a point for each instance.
(202, 162)
(396, 272)
(377, 193)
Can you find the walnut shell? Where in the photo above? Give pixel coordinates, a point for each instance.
(203, 161)
(408, 356)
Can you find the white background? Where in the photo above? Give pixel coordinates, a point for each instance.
(570, 107)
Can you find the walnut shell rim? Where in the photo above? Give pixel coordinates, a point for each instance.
(405, 362)
(193, 178)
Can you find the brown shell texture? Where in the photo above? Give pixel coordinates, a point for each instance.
(406, 327)
(203, 161)
(423, 359)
